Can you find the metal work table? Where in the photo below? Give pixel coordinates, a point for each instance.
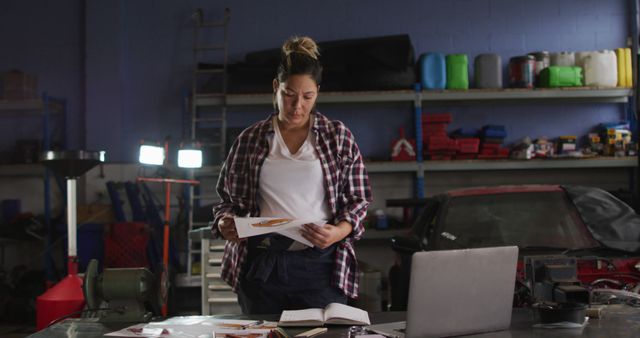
(616, 321)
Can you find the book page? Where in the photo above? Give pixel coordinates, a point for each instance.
(313, 315)
(336, 313)
(197, 326)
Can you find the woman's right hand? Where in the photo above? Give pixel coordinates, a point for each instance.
(227, 228)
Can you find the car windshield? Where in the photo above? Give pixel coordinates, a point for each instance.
(526, 219)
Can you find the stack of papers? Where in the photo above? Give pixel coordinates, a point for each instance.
(252, 226)
(198, 326)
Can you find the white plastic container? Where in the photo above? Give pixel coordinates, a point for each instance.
(563, 59)
(601, 69)
(581, 56)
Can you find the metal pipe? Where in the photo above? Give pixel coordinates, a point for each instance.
(72, 251)
(165, 246)
(417, 116)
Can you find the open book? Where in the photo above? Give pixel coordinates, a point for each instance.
(334, 313)
(244, 329)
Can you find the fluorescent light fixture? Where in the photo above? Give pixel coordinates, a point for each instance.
(190, 158)
(153, 155)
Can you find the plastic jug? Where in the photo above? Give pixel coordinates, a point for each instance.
(629, 67)
(433, 71)
(488, 71)
(521, 71)
(563, 59)
(580, 57)
(625, 73)
(622, 64)
(601, 69)
(543, 60)
(457, 71)
(560, 76)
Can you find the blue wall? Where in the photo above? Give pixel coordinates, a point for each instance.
(138, 57)
(46, 39)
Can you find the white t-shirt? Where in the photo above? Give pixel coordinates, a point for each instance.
(292, 185)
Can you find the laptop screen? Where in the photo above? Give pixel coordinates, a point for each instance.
(455, 292)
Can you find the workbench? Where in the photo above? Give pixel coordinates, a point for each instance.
(616, 321)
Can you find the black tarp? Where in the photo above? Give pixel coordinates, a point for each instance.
(377, 63)
(611, 221)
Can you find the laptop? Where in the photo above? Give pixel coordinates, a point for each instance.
(457, 292)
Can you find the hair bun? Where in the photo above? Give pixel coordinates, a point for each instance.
(299, 56)
(302, 45)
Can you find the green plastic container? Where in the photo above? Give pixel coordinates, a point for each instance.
(457, 71)
(561, 76)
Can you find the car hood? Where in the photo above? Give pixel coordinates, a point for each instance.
(611, 221)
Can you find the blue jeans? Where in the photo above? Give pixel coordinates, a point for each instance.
(273, 279)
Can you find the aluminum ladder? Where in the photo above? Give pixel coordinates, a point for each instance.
(208, 126)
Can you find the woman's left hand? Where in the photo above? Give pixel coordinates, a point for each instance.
(322, 236)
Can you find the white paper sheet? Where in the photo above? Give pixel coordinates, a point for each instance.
(178, 327)
(252, 226)
(562, 325)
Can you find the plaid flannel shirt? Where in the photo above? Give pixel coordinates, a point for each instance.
(345, 179)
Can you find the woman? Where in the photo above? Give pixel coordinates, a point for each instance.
(295, 164)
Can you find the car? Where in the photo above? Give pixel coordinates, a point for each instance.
(570, 239)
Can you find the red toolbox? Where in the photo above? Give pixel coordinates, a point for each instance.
(461, 156)
(436, 118)
(468, 145)
(442, 144)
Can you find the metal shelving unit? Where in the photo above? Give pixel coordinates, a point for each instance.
(448, 97)
(215, 293)
(580, 95)
(471, 96)
(575, 95)
(21, 170)
(476, 165)
(34, 106)
(43, 108)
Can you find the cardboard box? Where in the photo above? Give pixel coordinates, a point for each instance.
(96, 213)
(17, 85)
